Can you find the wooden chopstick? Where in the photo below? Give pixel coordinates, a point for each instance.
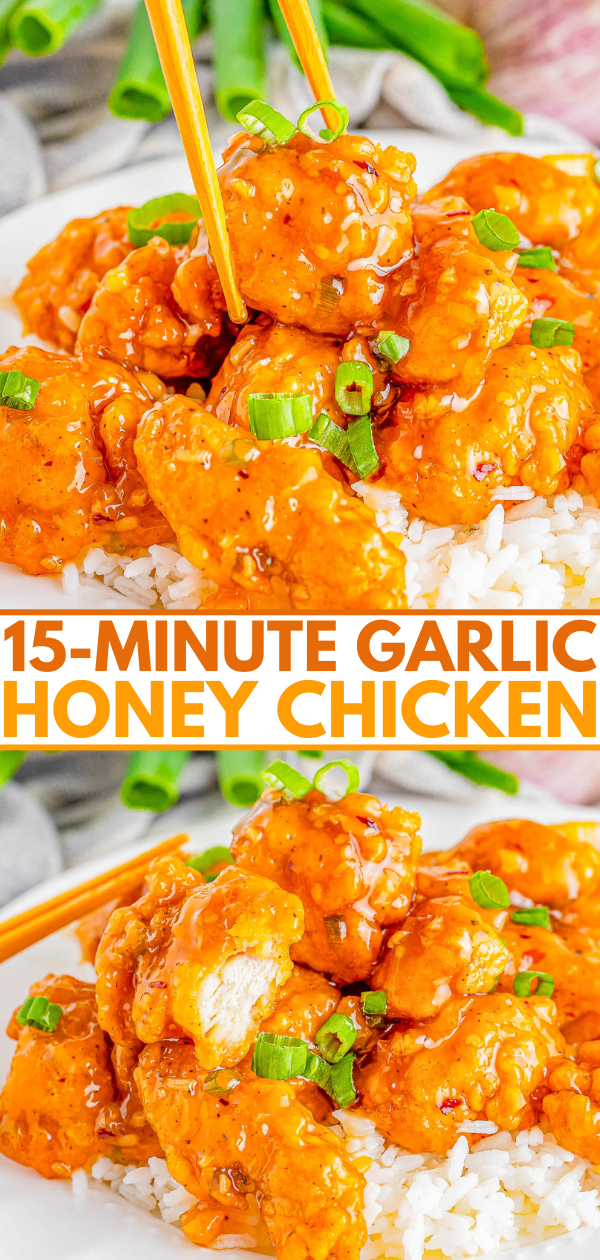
(299, 21)
(40, 921)
(176, 58)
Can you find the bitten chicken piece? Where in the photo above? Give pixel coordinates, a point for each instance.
(62, 277)
(198, 960)
(161, 309)
(456, 301)
(444, 950)
(570, 955)
(68, 476)
(63, 1104)
(446, 454)
(479, 1059)
(304, 1002)
(264, 521)
(317, 228)
(573, 1105)
(548, 205)
(352, 863)
(538, 862)
(255, 1140)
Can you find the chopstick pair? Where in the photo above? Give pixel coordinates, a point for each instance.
(40, 921)
(175, 51)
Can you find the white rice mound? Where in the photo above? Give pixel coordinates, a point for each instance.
(542, 553)
(508, 1191)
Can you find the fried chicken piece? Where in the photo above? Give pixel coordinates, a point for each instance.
(480, 1058)
(548, 205)
(572, 1106)
(90, 930)
(64, 1104)
(456, 301)
(62, 277)
(68, 476)
(316, 229)
(571, 956)
(198, 960)
(538, 862)
(446, 454)
(351, 862)
(264, 522)
(443, 950)
(162, 309)
(260, 1140)
(304, 1002)
(554, 295)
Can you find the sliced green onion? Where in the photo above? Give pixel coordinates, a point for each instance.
(524, 979)
(335, 1037)
(342, 1081)
(216, 856)
(151, 219)
(310, 752)
(9, 764)
(542, 258)
(326, 134)
(489, 891)
(354, 388)
(7, 10)
(239, 775)
(545, 333)
(279, 1058)
(597, 171)
(360, 437)
(536, 916)
(333, 104)
(331, 438)
(391, 346)
(17, 391)
(286, 780)
(335, 927)
(40, 27)
(220, 1082)
(374, 1003)
(473, 767)
(274, 416)
(262, 120)
(38, 1012)
(495, 230)
(238, 54)
(152, 780)
(318, 1071)
(350, 770)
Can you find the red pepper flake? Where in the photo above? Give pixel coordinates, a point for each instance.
(457, 214)
(365, 166)
(482, 471)
(49, 463)
(157, 984)
(367, 822)
(100, 519)
(403, 1025)
(287, 218)
(104, 1133)
(448, 1105)
(532, 958)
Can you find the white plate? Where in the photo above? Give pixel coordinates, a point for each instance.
(26, 230)
(106, 1227)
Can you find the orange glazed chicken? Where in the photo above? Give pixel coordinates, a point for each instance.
(321, 1023)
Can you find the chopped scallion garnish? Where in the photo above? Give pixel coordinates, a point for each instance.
(330, 135)
(335, 1037)
(391, 346)
(279, 1058)
(362, 446)
(534, 916)
(288, 781)
(494, 230)
(374, 1003)
(524, 979)
(38, 1012)
(220, 1082)
(331, 438)
(262, 120)
(17, 391)
(342, 1081)
(542, 257)
(350, 770)
(274, 416)
(335, 927)
(545, 333)
(203, 862)
(152, 219)
(318, 1070)
(354, 388)
(489, 891)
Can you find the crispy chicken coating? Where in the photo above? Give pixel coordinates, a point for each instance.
(443, 950)
(90, 930)
(316, 228)
(445, 454)
(264, 521)
(572, 1106)
(257, 1140)
(64, 1103)
(62, 277)
(480, 1058)
(571, 956)
(351, 862)
(304, 1002)
(162, 309)
(538, 862)
(198, 960)
(68, 476)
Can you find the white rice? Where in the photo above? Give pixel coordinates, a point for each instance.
(508, 1191)
(543, 553)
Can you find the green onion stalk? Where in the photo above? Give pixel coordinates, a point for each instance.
(239, 775)
(40, 27)
(351, 30)
(8, 8)
(152, 779)
(9, 764)
(472, 767)
(238, 54)
(140, 90)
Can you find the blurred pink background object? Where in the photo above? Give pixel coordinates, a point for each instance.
(570, 776)
(544, 55)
